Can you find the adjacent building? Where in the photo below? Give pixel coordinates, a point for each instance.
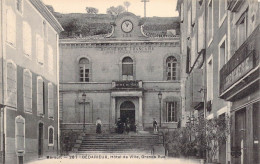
(29, 81)
(121, 74)
(219, 40)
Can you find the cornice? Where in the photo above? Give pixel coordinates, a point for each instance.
(39, 5)
(168, 43)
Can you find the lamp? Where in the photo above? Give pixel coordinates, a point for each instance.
(160, 100)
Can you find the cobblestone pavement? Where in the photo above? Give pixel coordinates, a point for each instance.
(116, 159)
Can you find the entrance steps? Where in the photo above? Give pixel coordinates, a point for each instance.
(118, 143)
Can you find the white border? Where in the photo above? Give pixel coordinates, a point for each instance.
(38, 114)
(221, 20)
(17, 151)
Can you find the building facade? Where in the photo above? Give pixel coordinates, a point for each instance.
(209, 41)
(29, 81)
(121, 74)
(239, 80)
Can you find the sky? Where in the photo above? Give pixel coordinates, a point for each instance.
(160, 8)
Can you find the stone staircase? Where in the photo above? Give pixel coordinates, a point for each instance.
(117, 143)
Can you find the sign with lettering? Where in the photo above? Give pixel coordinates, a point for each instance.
(131, 49)
(239, 72)
(127, 84)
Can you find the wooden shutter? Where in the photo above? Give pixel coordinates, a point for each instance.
(40, 96)
(20, 134)
(11, 85)
(27, 92)
(50, 101)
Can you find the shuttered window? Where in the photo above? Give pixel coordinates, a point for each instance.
(127, 68)
(40, 96)
(51, 136)
(50, 58)
(40, 49)
(20, 133)
(27, 39)
(11, 84)
(11, 27)
(27, 86)
(50, 101)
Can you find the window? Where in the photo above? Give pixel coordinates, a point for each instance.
(50, 58)
(189, 23)
(19, 5)
(193, 10)
(27, 39)
(223, 58)
(50, 136)
(27, 86)
(210, 22)
(210, 79)
(171, 64)
(171, 112)
(222, 11)
(201, 33)
(50, 101)
(193, 50)
(11, 84)
(84, 70)
(182, 12)
(45, 30)
(11, 27)
(242, 29)
(127, 68)
(20, 133)
(40, 96)
(40, 49)
(188, 62)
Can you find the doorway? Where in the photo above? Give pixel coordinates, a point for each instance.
(40, 140)
(127, 110)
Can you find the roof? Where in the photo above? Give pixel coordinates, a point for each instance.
(39, 5)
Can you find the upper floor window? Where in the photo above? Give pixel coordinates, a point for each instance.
(210, 22)
(39, 49)
(20, 133)
(242, 29)
(27, 86)
(45, 30)
(50, 101)
(193, 10)
(50, 58)
(171, 63)
(84, 68)
(182, 12)
(50, 136)
(222, 10)
(171, 112)
(27, 39)
(210, 79)
(201, 33)
(223, 58)
(127, 68)
(19, 5)
(40, 96)
(11, 84)
(11, 27)
(189, 23)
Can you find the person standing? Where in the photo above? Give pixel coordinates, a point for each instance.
(155, 128)
(98, 126)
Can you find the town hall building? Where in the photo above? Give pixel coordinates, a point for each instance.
(120, 75)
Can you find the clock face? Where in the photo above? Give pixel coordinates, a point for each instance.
(127, 26)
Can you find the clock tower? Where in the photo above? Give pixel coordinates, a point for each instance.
(127, 27)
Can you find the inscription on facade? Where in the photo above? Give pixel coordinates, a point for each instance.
(132, 49)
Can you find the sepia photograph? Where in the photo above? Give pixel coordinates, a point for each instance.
(130, 81)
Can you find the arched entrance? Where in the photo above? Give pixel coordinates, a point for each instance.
(127, 110)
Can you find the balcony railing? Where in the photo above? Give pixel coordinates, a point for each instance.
(243, 61)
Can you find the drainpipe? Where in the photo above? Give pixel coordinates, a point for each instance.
(2, 114)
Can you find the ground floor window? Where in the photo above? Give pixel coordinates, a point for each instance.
(171, 111)
(51, 136)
